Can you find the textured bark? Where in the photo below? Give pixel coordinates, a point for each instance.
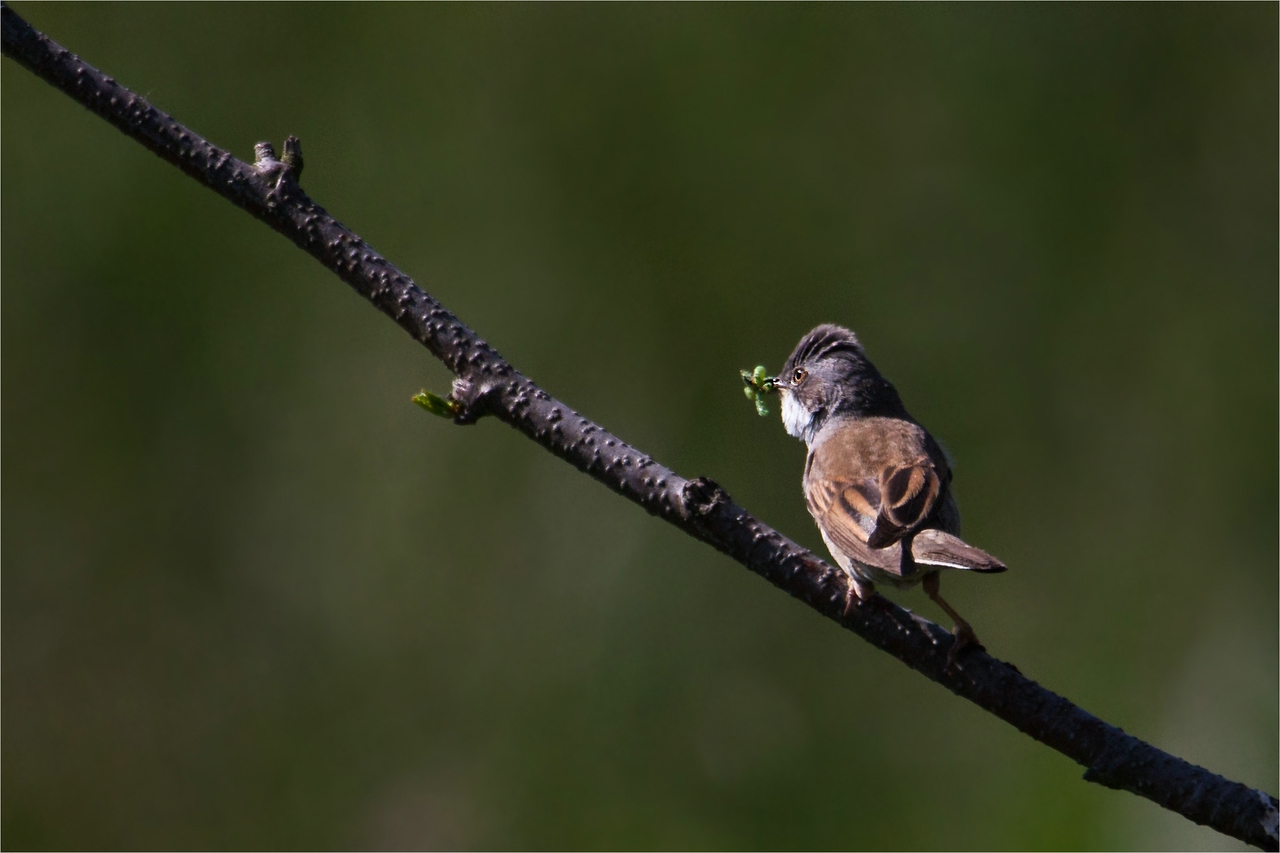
(487, 385)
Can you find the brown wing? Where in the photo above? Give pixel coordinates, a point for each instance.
(907, 498)
(846, 514)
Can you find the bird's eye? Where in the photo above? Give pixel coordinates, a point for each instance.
(799, 375)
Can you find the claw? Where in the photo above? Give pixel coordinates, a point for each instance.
(856, 593)
(850, 598)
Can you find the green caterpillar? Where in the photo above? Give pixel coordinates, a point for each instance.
(757, 383)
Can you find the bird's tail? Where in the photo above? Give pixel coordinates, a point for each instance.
(936, 548)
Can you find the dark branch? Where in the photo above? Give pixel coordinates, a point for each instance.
(487, 385)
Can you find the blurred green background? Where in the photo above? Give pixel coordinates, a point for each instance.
(254, 598)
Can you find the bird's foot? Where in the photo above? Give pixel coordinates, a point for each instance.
(855, 594)
(964, 638)
(851, 598)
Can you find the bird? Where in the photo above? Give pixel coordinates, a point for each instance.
(875, 481)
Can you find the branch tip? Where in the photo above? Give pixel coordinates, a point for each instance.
(293, 155)
(278, 170)
(1270, 818)
(264, 154)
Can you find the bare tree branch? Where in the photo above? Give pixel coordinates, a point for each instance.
(487, 385)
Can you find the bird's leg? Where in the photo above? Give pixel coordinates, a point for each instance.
(857, 592)
(963, 632)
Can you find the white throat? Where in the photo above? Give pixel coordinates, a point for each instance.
(798, 420)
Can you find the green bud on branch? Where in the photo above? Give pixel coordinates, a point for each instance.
(437, 405)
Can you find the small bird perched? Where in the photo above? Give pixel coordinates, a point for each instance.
(875, 481)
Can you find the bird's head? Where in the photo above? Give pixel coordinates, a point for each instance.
(829, 374)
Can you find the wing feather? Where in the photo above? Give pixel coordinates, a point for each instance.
(907, 498)
(846, 514)
(938, 548)
(867, 514)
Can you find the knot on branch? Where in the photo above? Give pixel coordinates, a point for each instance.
(471, 400)
(282, 174)
(702, 496)
(293, 156)
(1107, 770)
